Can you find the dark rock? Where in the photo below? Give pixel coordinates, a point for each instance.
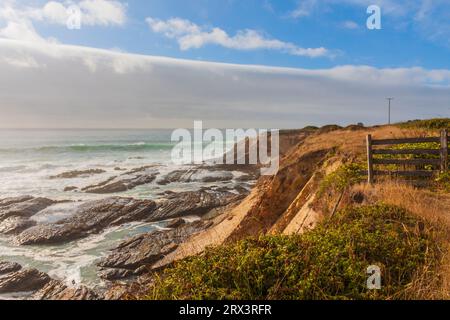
(14, 279)
(23, 280)
(115, 274)
(14, 200)
(56, 290)
(90, 218)
(247, 177)
(77, 174)
(15, 225)
(124, 182)
(175, 223)
(70, 188)
(140, 252)
(8, 267)
(191, 203)
(195, 175)
(22, 206)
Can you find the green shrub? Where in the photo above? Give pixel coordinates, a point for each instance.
(329, 262)
(345, 176)
(411, 146)
(430, 124)
(443, 181)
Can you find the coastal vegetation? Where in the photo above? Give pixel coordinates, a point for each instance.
(329, 262)
(394, 225)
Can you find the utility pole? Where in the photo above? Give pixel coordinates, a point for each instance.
(389, 99)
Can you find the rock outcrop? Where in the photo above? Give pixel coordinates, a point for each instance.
(38, 285)
(24, 207)
(124, 182)
(15, 225)
(56, 290)
(137, 254)
(195, 175)
(22, 280)
(8, 267)
(91, 218)
(78, 174)
(192, 203)
(95, 216)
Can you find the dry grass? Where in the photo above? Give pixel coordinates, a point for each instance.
(432, 206)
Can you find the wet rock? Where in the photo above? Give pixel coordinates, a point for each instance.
(15, 225)
(8, 267)
(90, 218)
(191, 203)
(124, 182)
(70, 188)
(116, 274)
(14, 200)
(23, 280)
(247, 177)
(140, 252)
(38, 285)
(195, 175)
(56, 290)
(24, 207)
(175, 223)
(78, 174)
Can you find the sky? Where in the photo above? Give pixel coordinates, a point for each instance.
(229, 63)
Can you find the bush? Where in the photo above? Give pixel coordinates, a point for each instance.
(430, 124)
(329, 262)
(411, 146)
(345, 176)
(443, 181)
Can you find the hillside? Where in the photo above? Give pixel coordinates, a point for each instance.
(319, 209)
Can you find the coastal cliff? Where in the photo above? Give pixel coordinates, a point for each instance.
(319, 178)
(317, 208)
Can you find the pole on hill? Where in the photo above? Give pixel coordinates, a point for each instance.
(389, 111)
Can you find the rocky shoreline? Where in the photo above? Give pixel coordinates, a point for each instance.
(133, 256)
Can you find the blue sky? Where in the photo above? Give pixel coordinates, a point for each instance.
(166, 63)
(340, 26)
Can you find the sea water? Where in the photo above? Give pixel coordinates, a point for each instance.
(28, 158)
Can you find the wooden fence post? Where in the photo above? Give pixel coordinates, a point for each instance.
(369, 159)
(444, 150)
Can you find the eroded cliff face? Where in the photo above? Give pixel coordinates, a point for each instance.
(284, 203)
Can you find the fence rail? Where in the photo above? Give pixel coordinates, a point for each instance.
(439, 164)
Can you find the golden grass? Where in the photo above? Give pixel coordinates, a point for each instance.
(432, 206)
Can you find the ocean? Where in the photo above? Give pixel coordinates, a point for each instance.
(29, 157)
(28, 160)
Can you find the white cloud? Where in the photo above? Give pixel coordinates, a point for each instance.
(93, 12)
(20, 30)
(19, 19)
(20, 61)
(190, 35)
(85, 87)
(351, 25)
(304, 8)
(102, 12)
